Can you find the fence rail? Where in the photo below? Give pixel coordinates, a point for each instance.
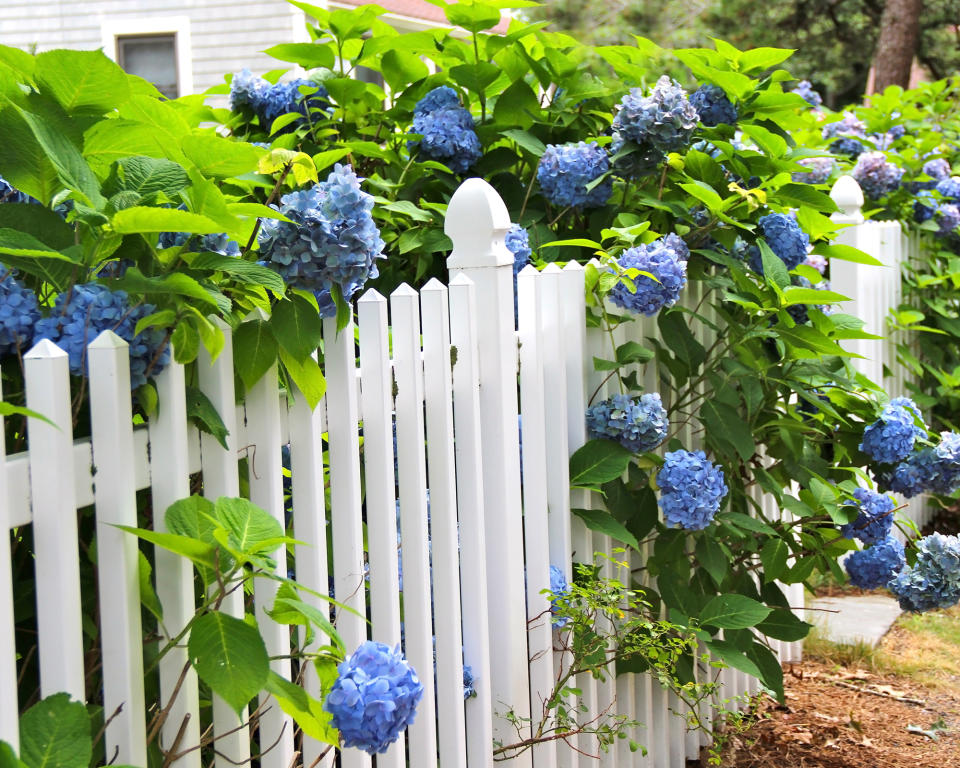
(444, 504)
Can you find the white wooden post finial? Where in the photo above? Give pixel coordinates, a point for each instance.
(848, 196)
(477, 222)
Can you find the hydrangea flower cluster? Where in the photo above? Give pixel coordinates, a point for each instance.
(565, 170)
(816, 261)
(447, 130)
(19, 315)
(518, 243)
(821, 168)
(630, 161)
(270, 100)
(949, 188)
(937, 169)
(665, 259)
(927, 470)
(691, 489)
(875, 520)
(849, 125)
(664, 121)
(713, 106)
(948, 218)
(892, 436)
(10, 194)
(639, 424)
(218, 243)
(88, 309)
(874, 566)
(875, 175)
(805, 90)
(331, 238)
(374, 698)
(847, 146)
(559, 589)
(785, 238)
(934, 580)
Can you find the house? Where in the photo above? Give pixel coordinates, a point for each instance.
(183, 46)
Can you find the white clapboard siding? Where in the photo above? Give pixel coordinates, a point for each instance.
(9, 705)
(473, 563)
(438, 399)
(121, 635)
(414, 524)
(221, 477)
(536, 546)
(170, 481)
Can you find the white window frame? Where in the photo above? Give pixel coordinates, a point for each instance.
(178, 26)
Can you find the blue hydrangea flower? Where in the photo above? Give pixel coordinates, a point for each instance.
(447, 130)
(518, 243)
(691, 489)
(875, 520)
(374, 698)
(713, 106)
(218, 243)
(10, 194)
(821, 168)
(924, 206)
(565, 170)
(88, 309)
(270, 100)
(934, 580)
(816, 261)
(19, 315)
(665, 120)
(875, 175)
(938, 169)
(948, 218)
(805, 90)
(469, 683)
(785, 238)
(639, 424)
(665, 259)
(912, 476)
(847, 146)
(891, 437)
(848, 125)
(950, 188)
(331, 238)
(874, 566)
(559, 589)
(945, 463)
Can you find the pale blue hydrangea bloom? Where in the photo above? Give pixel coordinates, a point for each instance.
(518, 243)
(218, 243)
(950, 188)
(713, 106)
(565, 170)
(84, 312)
(665, 259)
(934, 580)
(270, 100)
(639, 424)
(848, 125)
(691, 489)
(945, 462)
(559, 590)
(331, 238)
(785, 238)
(891, 437)
(875, 519)
(948, 218)
(805, 90)
(447, 130)
(875, 175)
(19, 315)
(665, 120)
(938, 169)
(846, 145)
(374, 698)
(876, 565)
(442, 97)
(821, 168)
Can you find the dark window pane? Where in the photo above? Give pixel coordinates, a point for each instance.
(153, 58)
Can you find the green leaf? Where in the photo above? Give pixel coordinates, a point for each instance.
(251, 529)
(473, 17)
(42, 223)
(782, 624)
(307, 712)
(526, 140)
(198, 552)
(254, 350)
(632, 352)
(771, 673)
(55, 733)
(598, 462)
(725, 423)
(774, 270)
(401, 68)
(141, 219)
(846, 253)
(603, 522)
(8, 758)
(801, 195)
(289, 608)
(170, 284)
(216, 156)
(297, 326)
(9, 409)
(705, 194)
(517, 105)
(82, 81)
(307, 55)
(763, 58)
(229, 655)
(149, 175)
(581, 242)
(732, 656)
(712, 556)
(325, 159)
(773, 556)
(307, 377)
(245, 271)
(797, 295)
(204, 415)
(733, 611)
(684, 346)
(148, 597)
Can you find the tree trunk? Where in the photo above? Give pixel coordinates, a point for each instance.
(899, 36)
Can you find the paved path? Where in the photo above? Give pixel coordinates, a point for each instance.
(848, 620)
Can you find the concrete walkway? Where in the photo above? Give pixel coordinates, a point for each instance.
(853, 619)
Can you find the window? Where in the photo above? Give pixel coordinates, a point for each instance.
(152, 57)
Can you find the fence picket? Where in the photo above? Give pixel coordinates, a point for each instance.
(473, 563)
(9, 705)
(414, 515)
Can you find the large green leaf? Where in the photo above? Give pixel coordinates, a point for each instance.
(598, 462)
(254, 350)
(733, 611)
(170, 284)
(306, 375)
(216, 156)
(24, 162)
(251, 529)
(782, 624)
(245, 271)
(773, 556)
(307, 55)
(603, 522)
(732, 656)
(198, 552)
(297, 326)
(149, 175)
(16, 243)
(141, 219)
(771, 673)
(8, 758)
(111, 140)
(307, 712)
(204, 415)
(82, 81)
(40, 222)
(55, 733)
(229, 655)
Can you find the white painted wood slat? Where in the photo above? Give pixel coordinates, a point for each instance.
(9, 706)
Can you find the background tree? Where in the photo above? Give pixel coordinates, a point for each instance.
(897, 46)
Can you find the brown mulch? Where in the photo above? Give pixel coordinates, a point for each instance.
(831, 721)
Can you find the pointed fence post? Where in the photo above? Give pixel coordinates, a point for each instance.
(477, 222)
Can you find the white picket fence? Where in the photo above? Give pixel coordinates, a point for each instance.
(468, 546)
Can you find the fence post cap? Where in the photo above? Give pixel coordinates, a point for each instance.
(460, 279)
(403, 290)
(433, 285)
(45, 349)
(477, 222)
(371, 296)
(107, 340)
(848, 196)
